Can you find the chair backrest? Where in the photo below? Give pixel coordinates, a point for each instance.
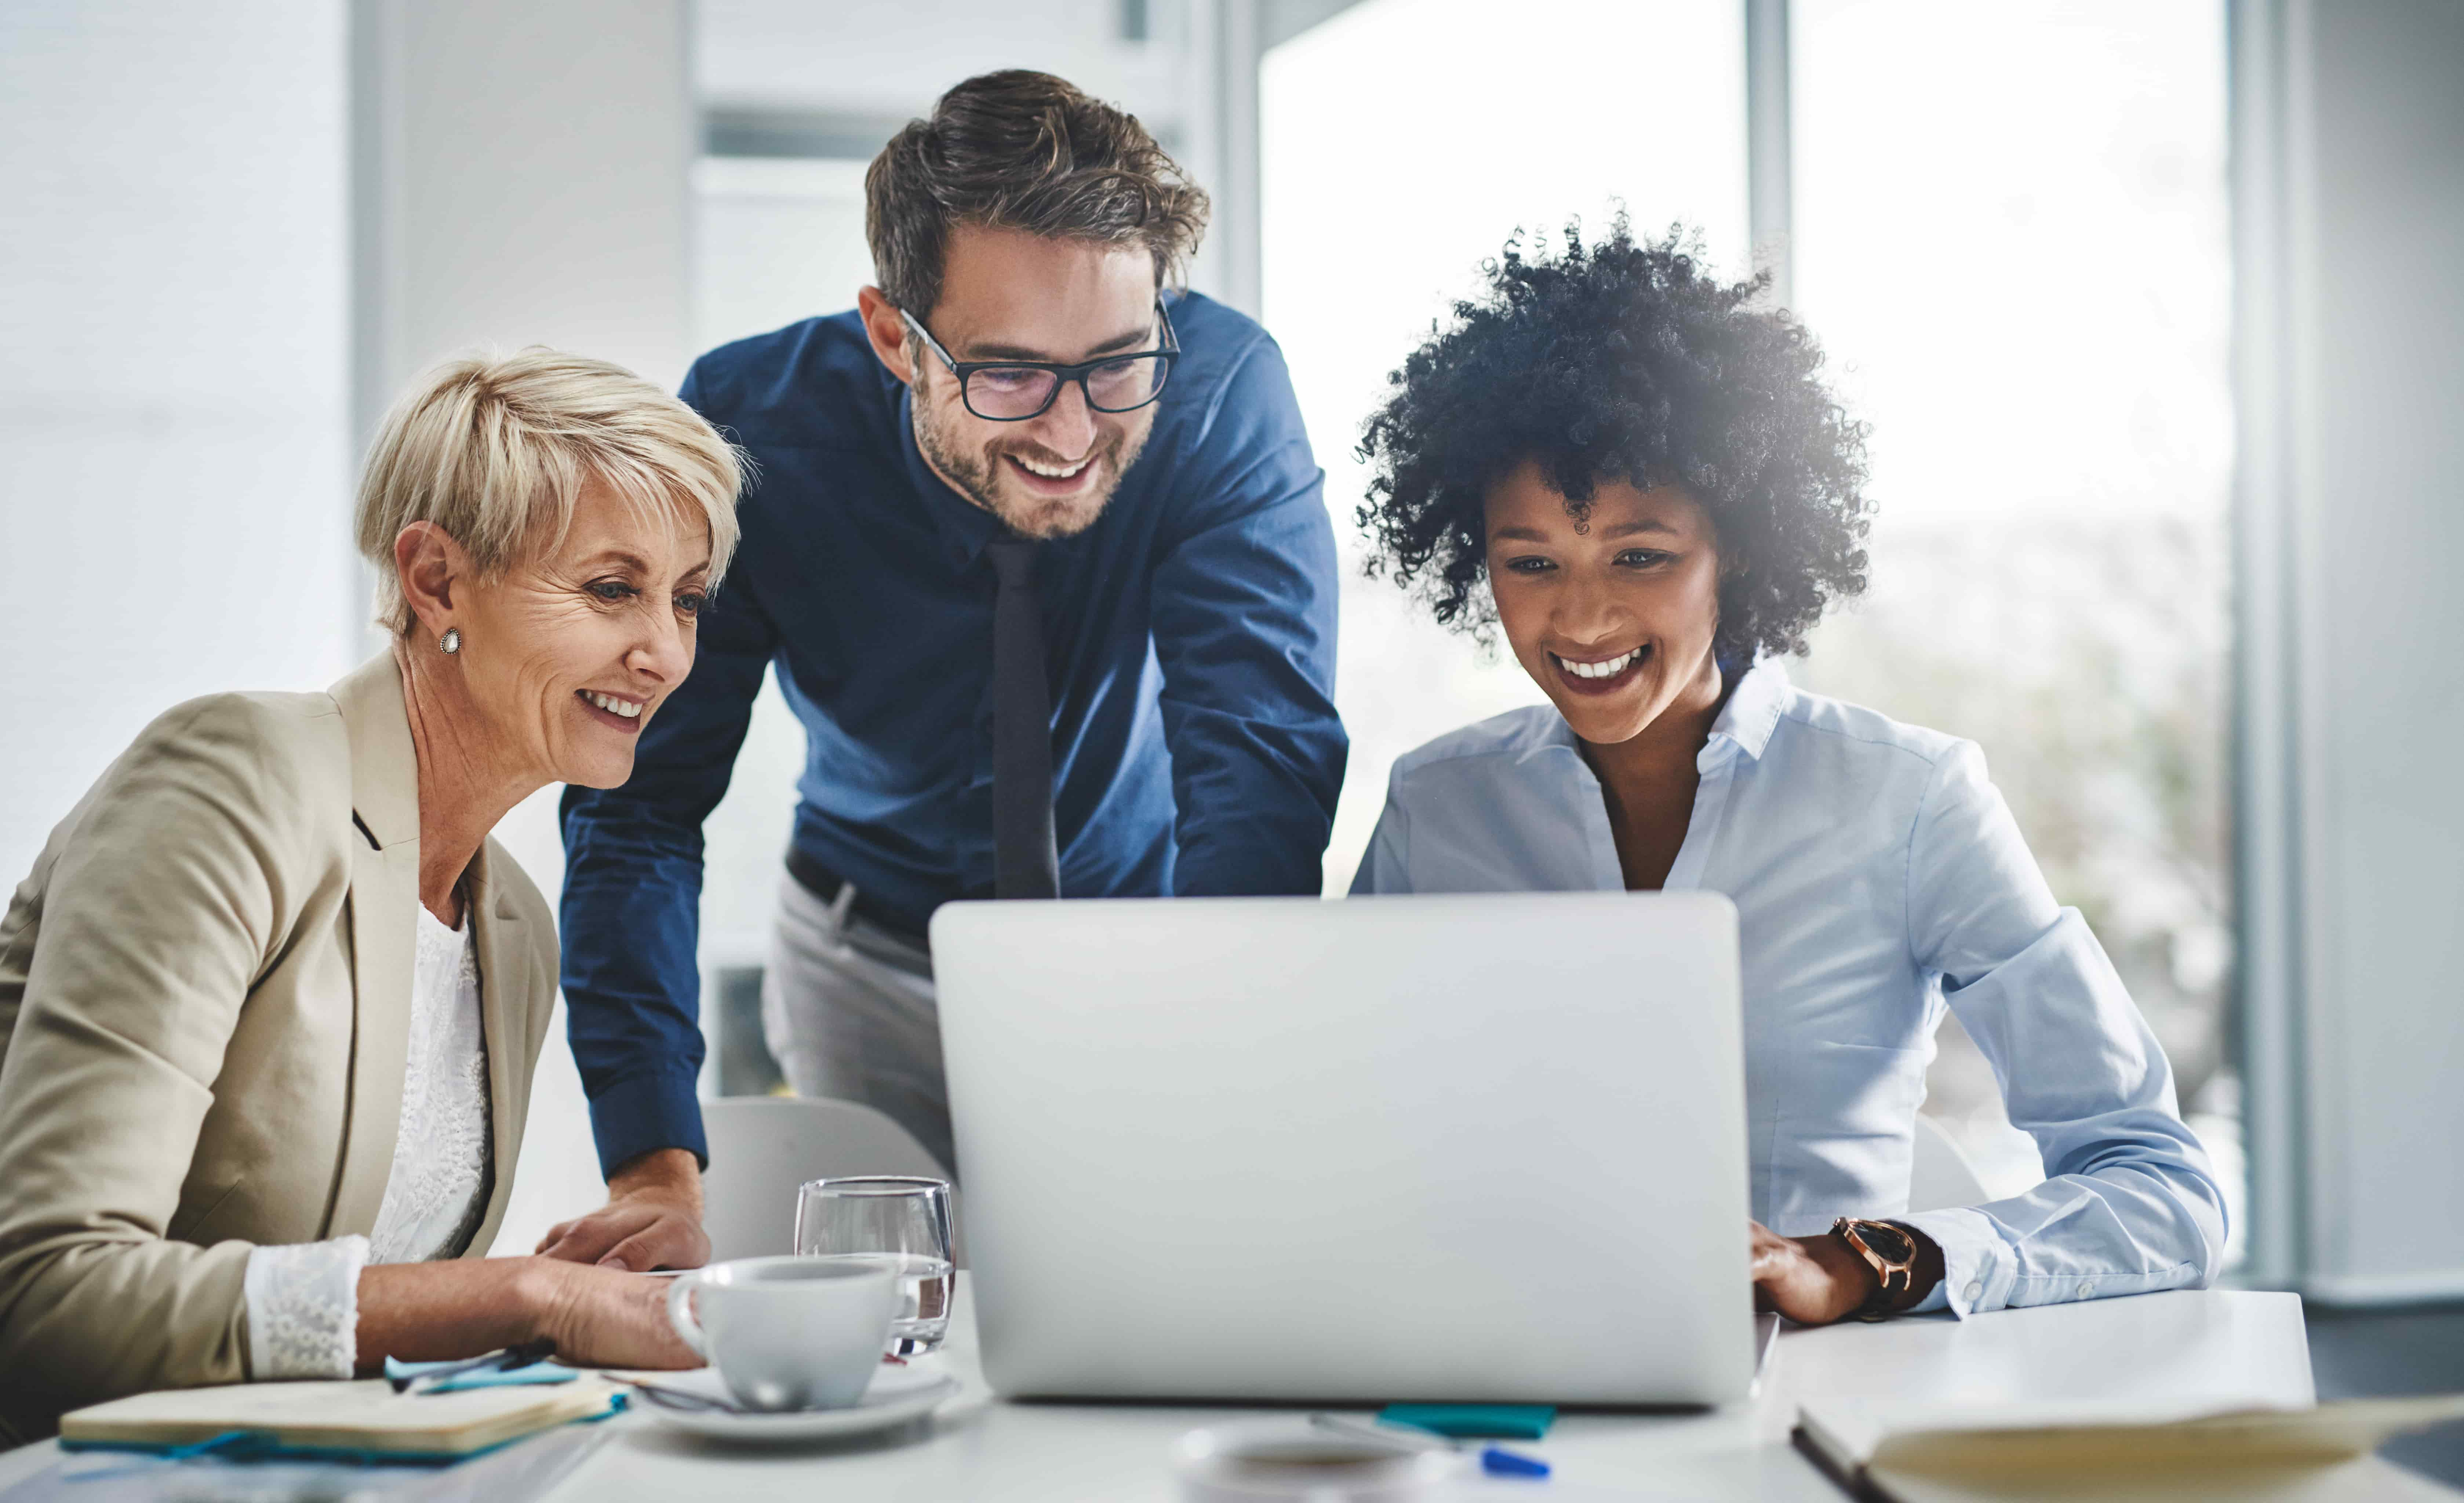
(761, 1148)
(1940, 1178)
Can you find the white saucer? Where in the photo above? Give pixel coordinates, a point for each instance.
(896, 1396)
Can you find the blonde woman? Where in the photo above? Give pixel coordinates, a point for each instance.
(271, 998)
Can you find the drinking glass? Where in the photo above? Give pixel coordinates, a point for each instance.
(903, 1218)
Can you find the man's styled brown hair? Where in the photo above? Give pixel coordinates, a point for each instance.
(1023, 150)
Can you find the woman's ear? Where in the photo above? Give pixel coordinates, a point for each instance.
(434, 570)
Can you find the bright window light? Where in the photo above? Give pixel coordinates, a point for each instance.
(2011, 234)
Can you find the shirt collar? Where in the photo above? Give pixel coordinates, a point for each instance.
(1746, 721)
(1743, 726)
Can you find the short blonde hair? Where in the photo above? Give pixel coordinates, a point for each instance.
(496, 449)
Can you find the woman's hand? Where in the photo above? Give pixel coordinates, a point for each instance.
(1812, 1280)
(461, 1307)
(1816, 1280)
(607, 1318)
(652, 1219)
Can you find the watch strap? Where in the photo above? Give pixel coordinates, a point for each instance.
(1875, 1240)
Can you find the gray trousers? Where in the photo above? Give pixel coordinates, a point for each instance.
(849, 1011)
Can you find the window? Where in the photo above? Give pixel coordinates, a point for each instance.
(2022, 277)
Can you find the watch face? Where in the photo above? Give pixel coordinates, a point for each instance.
(1889, 1242)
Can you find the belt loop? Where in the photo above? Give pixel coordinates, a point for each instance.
(840, 905)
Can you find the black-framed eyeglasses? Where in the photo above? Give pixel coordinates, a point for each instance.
(1014, 391)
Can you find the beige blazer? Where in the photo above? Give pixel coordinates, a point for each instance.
(204, 1010)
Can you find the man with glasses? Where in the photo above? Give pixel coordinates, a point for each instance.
(1037, 549)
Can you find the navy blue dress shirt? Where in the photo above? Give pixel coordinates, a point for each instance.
(1189, 636)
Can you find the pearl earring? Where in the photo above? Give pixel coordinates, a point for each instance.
(451, 640)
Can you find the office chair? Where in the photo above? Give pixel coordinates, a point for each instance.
(761, 1148)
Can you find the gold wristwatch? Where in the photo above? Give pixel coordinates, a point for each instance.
(1891, 1253)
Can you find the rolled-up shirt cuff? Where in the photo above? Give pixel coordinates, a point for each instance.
(303, 1308)
(1977, 1267)
(644, 1114)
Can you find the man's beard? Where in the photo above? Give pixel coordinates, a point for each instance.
(977, 478)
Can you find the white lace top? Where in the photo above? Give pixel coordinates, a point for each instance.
(303, 1299)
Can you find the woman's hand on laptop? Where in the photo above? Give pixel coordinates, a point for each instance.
(1816, 1280)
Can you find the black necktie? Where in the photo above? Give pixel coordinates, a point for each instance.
(1025, 863)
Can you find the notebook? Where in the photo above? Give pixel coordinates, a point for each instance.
(1897, 1453)
(364, 1418)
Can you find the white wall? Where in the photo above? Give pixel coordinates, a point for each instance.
(775, 240)
(532, 164)
(891, 57)
(2354, 457)
(174, 474)
(861, 68)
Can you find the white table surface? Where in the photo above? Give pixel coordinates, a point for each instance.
(2219, 1345)
(2215, 1345)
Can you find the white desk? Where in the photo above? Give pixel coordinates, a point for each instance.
(2248, 1347)
(2228, 1345)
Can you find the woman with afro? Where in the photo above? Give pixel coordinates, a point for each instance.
(1636, 477)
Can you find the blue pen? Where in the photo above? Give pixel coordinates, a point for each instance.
(1495, 1460)
(428, 1378)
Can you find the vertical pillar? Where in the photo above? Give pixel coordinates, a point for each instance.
(1770, 180)
(1236, 233)
(2264, 94)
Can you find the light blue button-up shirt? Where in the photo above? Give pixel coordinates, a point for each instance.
(1878, 877)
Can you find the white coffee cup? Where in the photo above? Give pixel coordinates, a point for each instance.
(789, 1333)
(1287, 1459)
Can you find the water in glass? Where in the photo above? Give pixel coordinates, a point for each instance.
(923, 1318)
(906, 1219)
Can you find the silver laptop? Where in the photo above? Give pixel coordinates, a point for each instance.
(1443, 1148)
